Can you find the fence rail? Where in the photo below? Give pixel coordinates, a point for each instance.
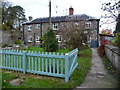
(51, 64)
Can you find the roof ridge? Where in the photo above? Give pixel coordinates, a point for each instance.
(61, 18)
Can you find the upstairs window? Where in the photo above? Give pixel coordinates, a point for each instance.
(29, 27)
(87, 24)
(77, 25)
(30, 39)
(58, 37)
(85, 32)
(38, 39)
(55, 26)
(37, 26)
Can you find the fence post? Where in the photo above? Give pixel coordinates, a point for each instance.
(66, 67)
(24, 61)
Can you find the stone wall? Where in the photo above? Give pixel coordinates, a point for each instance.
(1, 38)
(34, 33)
(91, 32)
(9, 37)
(113, 54)
(6, 38)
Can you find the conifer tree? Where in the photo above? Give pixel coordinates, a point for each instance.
(50, 42)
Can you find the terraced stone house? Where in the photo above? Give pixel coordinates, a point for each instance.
(33, 30)
(1, 38)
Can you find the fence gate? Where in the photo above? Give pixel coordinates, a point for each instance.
(71, 63)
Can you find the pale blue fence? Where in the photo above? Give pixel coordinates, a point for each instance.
(44, 63)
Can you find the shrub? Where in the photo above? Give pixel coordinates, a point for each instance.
(117, 40)
(50, 42)
(18, 42)
(4, 45)
(42, 38)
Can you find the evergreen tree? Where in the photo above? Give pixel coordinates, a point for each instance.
(12, 16)
(118, 25)
(117, 31)
(50, 41)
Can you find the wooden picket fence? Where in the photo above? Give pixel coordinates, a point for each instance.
(44, 63)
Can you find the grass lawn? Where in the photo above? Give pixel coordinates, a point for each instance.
(41, 49)
(40, 81)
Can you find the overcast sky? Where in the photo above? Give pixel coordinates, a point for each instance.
(39, 8)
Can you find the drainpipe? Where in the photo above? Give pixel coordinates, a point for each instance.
(23, 34)
(98, 33)
(34, 38)
(50, 14)
(41, 33)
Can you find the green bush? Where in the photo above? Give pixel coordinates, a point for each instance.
(18, 42)
(50, 43)
(42, 38)
(4, 45)
(117, 40)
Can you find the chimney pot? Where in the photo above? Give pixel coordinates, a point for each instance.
(30, 18)
(71, 10)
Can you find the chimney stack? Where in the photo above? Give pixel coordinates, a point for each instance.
(30, 18)
(71, 11)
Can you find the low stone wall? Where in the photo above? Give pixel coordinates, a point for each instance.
(113, 54)
(9, 37)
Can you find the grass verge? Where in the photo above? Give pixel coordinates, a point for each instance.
(108, 65)
(39, 81)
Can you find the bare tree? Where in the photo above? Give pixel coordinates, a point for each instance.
(73, 35)
(110, 13)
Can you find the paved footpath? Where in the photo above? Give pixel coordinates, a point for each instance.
(98, 76)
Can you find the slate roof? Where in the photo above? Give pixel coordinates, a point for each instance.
(61, 19)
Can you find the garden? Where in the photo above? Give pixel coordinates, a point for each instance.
(41, 81)
(35, 80)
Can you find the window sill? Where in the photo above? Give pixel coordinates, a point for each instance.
(59, 41)
(29, 30)
(55, 29)
(88, 28)
(29, 41)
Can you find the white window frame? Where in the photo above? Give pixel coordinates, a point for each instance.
(59, 38)
(30, 39)
(37, 39)
(37, 26)
(55, 26)
(29, 27)
(77, 25)
(85, 32)
(87, 24)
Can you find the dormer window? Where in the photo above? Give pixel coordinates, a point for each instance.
(37, 26)
(87, 24)
(29, 27)
(55, 26)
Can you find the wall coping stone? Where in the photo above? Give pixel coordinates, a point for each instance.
(114, 49)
